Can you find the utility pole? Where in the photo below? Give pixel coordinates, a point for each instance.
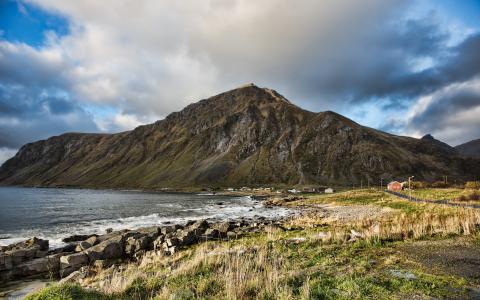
(410, 187)
(381, 183)
(361, 183)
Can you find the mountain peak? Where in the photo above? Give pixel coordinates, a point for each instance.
(428, 136)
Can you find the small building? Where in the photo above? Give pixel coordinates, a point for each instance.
(394, 186)
(329, 191)
(294, 191)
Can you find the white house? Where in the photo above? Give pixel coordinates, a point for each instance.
(329, 191)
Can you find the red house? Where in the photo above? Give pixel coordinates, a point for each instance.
(394, 186)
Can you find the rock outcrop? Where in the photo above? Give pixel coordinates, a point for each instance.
(32, 257)
(249, 135)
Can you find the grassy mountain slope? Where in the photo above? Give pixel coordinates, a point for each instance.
(248, 135)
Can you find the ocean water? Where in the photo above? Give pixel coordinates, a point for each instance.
(53, 214)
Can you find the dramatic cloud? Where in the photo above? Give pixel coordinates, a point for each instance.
(124, 63)
(451, 114)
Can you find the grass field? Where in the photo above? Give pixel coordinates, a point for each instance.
(452, 194)
(319, 257)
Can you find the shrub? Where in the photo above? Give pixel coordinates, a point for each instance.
(419, 184)
(439, 184)
(474, 196)
(472, 185)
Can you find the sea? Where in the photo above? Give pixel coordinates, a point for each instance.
(55, 213)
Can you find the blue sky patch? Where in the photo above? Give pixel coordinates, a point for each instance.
(26, 23)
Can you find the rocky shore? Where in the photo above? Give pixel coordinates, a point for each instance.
(33, 258)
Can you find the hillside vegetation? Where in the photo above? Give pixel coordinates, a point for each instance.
(359, 244)
(246, 136)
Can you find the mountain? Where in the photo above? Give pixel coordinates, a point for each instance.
(245, 136)
(470, 149)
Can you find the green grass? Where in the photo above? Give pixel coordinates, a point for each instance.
(359, 270)
(437, 194)
(273, 267)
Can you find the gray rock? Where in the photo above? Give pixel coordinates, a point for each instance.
(137, 243)
(188, 236)
(82, 246)
(172, 242)
(224, 227)
(169, 229)
(76, 238)
(211, 233)
(111, 248)
(6, 262)
(200, 224)
(72, 262)
(104, 263)
(157, 244)
(93, 240)
(38, 266)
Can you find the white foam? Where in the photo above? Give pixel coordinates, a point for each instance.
(247, 208)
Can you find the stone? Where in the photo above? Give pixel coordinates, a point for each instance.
(72, 262)
(6, 262)
(211, 233)
(157, 244)
(200, 224)
(172, 242)
(72, 278)
(137, 243)
(104, 263)
(111, 248)
(109, 230)
(82, 246)
(76, 238)
(93, 240)
(37, 266)
(169, 229)
(224, 227)
(187, 237)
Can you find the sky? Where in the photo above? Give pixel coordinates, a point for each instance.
(406, 67)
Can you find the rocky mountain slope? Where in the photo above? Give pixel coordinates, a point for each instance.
(245, 136)
(470, 149)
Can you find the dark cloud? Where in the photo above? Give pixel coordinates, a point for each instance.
(27, 115)
(323, 55)
(450, 114)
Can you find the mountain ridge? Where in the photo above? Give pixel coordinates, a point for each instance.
(248, 135)
(469, 149)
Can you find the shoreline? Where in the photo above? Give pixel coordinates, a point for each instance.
(40, 262)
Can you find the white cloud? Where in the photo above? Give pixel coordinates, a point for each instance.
(6, 153)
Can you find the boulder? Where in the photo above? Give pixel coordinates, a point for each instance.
(169, 229)
(93, 240)
(104, 263)
(211, 233)
(200, 224)
(157, 243)
(72, 262)
(47, 264)
(224, 227)
(111, 248)
(77, 238)
(6, 262)
(188, 236)
(137, 243)
(172, 242)
(82, 246)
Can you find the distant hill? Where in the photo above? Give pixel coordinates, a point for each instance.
(470, 149)
(245, 136)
